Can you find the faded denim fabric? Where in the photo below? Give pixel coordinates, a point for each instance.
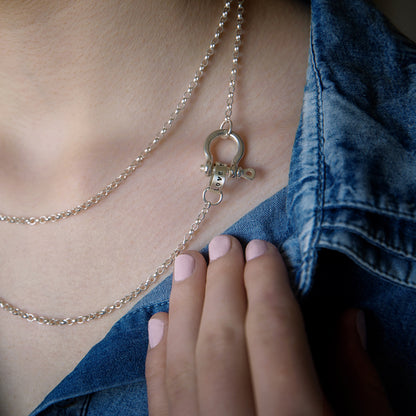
(346, 223)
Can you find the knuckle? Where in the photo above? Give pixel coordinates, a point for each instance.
(265, 302)
(280, 310)
(267, 320)
(217, 343)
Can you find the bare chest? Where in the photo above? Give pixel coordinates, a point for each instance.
(80, 265)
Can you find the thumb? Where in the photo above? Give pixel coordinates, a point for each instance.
(360, 388)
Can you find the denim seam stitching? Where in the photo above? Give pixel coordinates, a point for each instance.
(311, 254)
(153, 305)
(369, 237)
(371, 208)
(365, 264)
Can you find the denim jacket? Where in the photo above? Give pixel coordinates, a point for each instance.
(346, 222)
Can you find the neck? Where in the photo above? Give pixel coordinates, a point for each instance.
(61, 58)
(82, 78)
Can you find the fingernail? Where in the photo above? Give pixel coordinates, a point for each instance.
(155, 328)
(219, 246)
(255, 248)
(361, 328)
(184, 267)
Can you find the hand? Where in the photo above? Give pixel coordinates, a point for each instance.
(234, 341)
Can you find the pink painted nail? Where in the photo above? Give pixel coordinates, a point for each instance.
(184, 267)
(219, 246)
(155, 328)
(255, 248)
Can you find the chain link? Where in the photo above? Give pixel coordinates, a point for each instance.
(226, 124)
(137, 162)
(161, 269)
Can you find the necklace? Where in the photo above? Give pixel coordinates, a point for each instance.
(137, 162)
(212, 195)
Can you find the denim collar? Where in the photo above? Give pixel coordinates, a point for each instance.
(354, 159)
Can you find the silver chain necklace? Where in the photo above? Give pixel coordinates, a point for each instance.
(212, 195)
(137, 162)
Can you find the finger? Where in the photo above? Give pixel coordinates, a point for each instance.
(156, 365)
(222, 364)
(359, 383)
(284, 378)
(185, 309)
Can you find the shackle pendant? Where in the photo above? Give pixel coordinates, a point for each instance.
(219, 171)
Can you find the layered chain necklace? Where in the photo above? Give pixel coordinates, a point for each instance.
(212, 195)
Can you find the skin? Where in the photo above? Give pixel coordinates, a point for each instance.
(83, 89)
(234, 344)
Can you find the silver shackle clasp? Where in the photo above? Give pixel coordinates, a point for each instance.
(221, 169)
